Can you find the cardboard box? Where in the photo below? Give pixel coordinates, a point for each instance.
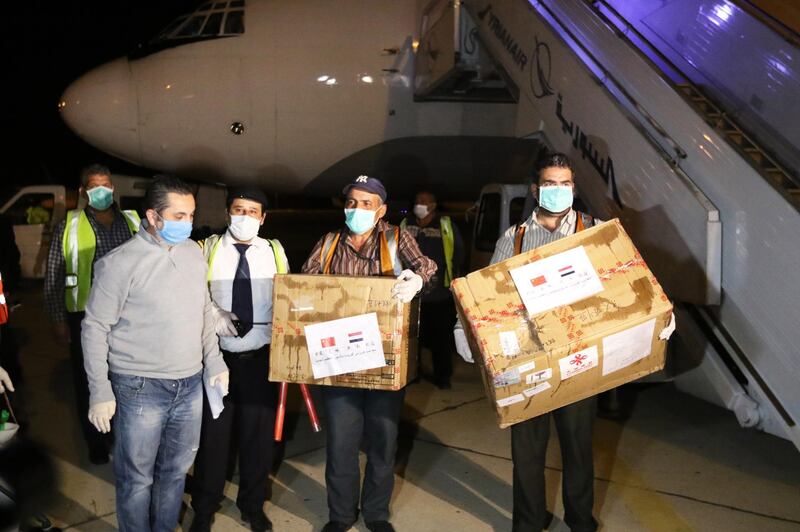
(533, 363)
(300, 300)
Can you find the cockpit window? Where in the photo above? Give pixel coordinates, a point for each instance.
(174, 25)
(213, 24)
(212, 20)
(234, 23)
(191, 28)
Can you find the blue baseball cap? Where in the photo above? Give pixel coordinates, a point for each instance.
(367, 184)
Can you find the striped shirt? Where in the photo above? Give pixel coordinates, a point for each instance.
(107, 238)
(367, 261)
(535, 235)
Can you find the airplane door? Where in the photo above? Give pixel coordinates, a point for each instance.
(195, 116)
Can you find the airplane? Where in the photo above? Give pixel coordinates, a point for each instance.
(297, 97)
(302, 96)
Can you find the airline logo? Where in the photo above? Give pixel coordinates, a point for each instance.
(566, 270)
(538, 281)
(355, 337)
(329, 342)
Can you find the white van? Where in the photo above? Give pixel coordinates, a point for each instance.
(35, 211)
(499, 207)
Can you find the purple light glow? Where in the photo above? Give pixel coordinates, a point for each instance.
(720, 14)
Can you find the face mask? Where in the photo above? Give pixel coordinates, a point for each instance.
(174, 232)
(244, 228)
(359, 221)
(555, 198)
(100, 198)
(420, 211)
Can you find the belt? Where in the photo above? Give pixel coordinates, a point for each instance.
(255, 353)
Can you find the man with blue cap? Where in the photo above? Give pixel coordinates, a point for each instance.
(367, 245)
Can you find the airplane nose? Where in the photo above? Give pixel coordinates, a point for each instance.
(101, 108)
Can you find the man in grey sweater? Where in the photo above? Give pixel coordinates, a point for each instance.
(149, 341)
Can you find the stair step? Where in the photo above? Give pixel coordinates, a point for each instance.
(777, 176)
(735, 136)
(774, 171)
(702, 105)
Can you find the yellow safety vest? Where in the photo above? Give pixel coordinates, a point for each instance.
(448, 242)
(582, 221)
(79, 244)
(390, 262)
(213, 244)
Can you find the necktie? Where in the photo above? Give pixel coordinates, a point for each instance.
(242, 301)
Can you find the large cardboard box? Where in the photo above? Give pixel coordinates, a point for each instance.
(301, 300)
(555, 354)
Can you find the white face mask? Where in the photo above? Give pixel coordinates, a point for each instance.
(244, 228)
(420, 211)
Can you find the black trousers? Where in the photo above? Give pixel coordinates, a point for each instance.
(9, 353)
(249, 414)
(436, 322)
(94, 438)
(574, 424)
(360, 418)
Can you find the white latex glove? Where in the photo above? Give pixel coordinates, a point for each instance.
(462, 346)
(409, 284)
(5, 381)
(667, 331)
(100, 415)
(221, 380)
(224, 322)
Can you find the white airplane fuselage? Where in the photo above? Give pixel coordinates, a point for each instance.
(322, 90)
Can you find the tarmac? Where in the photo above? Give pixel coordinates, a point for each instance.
(673, 463)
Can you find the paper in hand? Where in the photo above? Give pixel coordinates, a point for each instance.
(215, 394)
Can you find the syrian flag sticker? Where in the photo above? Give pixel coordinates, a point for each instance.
(565, 271)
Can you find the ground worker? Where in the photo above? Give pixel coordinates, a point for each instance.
(357, 417)
(439, 239)
(241, 268)
(78, 243)
(553, 219)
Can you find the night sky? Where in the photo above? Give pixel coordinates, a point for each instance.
(47, 45)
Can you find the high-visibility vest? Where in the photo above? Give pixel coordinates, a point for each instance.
(211, 244)
(390, 261)
(3, 303)
(79, 243)
(448, 243)
(582, 221)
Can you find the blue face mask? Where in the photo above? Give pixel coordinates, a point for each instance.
(555, 198)
(359, 221)
(174, 232)
(100, 198)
